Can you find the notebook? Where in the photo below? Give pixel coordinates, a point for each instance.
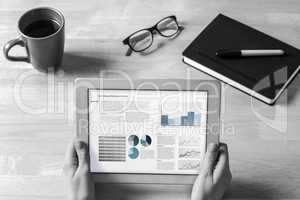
(264, 78)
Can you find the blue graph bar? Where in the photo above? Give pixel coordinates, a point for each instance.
(184, 121)
(197, 119)
(191, 116)
(164, 120)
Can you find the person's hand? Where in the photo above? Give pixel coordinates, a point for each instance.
(215, 175)
(81, 186)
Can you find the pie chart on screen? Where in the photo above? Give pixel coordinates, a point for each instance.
(133, 140)
(146, 140)
(133, 153)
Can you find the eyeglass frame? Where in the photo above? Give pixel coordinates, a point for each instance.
(151, 30)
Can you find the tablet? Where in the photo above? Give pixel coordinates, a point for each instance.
(142, 128)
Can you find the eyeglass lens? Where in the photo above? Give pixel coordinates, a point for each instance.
(140, 40)
(167, 27)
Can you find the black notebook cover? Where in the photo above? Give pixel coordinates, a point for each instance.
(267, 76)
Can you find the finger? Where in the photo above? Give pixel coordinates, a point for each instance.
(71, 160)
(82, 153)
(222, 166)
(210, 159)
(197, 187)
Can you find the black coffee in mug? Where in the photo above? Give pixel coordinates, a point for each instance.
(42, 34)
(41, 28)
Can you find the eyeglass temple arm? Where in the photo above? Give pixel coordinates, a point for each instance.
(128, 52)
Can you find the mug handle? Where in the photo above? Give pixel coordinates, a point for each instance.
(9, 45)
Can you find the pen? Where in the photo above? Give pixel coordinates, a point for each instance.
(248, 52)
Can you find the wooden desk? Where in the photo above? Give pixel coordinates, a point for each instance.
(36, 118)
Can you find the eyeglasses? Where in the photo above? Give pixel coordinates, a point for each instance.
(143, 39)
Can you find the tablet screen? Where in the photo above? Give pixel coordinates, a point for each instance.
(144, 131)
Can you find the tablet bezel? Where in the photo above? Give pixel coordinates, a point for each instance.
(82, 86)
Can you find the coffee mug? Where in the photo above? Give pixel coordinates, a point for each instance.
(42, 34)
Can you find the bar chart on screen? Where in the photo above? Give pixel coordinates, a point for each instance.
(188, 119)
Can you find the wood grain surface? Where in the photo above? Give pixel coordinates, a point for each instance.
(36, 109)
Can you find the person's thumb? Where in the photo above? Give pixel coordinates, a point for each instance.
(82, 153)
(210, 159)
